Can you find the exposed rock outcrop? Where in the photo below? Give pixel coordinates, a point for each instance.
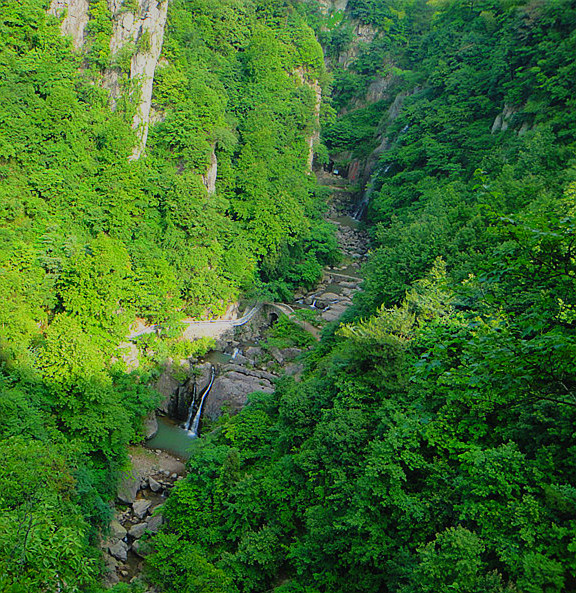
(209, 178)
(76, 18)
(503, 120)
(143, 28)
(314, 138)
(232, 387)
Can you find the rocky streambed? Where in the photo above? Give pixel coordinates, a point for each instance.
(244, 363)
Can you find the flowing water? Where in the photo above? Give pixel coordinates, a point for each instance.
(193, 429)
(217, 357)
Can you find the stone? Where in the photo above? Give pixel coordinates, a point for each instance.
(253, 352)
(141, 548)
(333, 313)
(137, 531)
(154, 523)
(117, 531)
(119, 550)
(173, 476)
(154, 485)
(290, 353)
(140, 507)
(128, 487)
(232, 389)
(166, 385)
(150, 426)
(276, 355)
(240, 359)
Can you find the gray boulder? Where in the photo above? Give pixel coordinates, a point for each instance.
(232, 389)
(150, 426)
(128, 487)
(140, 507)
(141, 548)
(153, 523)
(119, 550)
(117, 531)
(137, 531)
(154, 485)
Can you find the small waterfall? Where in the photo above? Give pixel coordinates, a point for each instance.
(193, 430)
(234, 354)
(313, 305)
(186, 425)
(361, 208)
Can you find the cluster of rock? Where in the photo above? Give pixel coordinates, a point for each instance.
(332, 304)
(138, 514)
(352, 242)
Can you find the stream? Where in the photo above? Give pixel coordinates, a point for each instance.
(177, 437)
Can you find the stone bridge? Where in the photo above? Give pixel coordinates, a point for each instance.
(218, 328)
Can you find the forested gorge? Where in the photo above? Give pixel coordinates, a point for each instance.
(428, 446)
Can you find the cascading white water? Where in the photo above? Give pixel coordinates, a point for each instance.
(361, 208)
(186, 425)
(193, 430)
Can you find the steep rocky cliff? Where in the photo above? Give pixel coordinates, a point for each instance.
(74, 14)
(137, 29)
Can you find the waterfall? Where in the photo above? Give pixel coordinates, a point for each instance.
(186, 425)
(193, 430)
(235, 354)
(361, 208)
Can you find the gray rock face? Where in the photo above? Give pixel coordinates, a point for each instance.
(232, 388)
(150, 425)
(140, 507)
(166, 385)
(119, 550)
(137, 531)
(128, 487)
(75, 19)
(209, 178)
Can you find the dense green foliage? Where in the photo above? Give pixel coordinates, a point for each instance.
(430, 444)
(90, 240)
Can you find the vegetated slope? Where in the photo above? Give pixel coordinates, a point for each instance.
(429, 446)
(89, 240)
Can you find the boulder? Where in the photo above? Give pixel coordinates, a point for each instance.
(150, 426)
(137, 531)
(154, 485)
(117, 531)
(240, 359)
(140, 507)
(232, 389)
(141, 548)
(290, 353)
(253, 352)
(119, 550)
(333, 313)
(153, 523)
(166, 385)
(128, 487)
(276, 355)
